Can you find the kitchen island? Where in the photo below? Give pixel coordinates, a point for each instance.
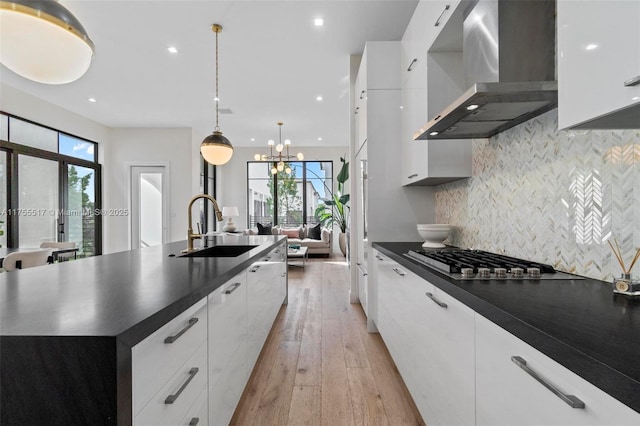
(579, 324)
(68, 331)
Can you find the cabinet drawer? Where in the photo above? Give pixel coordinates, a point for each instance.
(155, 361)
(198, 414)
(508, 395)
(184, 387)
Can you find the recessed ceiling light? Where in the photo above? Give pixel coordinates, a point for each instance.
(635, 98)
(591, 46)
(319, 139)
(172, 49)
(401, 107)
(433, 133)
(472, 107)
(318, 22)
(92, 100)
(253, 139)
(318, 98)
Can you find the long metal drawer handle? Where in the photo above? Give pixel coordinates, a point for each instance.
(233, 288)
(440, 17)
(175, 337)
(632, 81)
(379, 257)
(194, 421)
(411, 64)
(362, 94)
(255, 269)
(571, 400)
(413, 175)
(399, 271)
(172, 398)
(436, 301)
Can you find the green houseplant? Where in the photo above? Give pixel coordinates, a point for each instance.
(335, 210)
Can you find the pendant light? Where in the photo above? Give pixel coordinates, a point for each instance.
(215, 148)
(42, 41)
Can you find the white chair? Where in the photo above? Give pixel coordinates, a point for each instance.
(26, 259)
(63, 245)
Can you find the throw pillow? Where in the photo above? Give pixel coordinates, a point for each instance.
(291, 233)
(314, 232)
(264, 229)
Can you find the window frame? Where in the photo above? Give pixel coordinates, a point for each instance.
(14, 150)
(274, 178)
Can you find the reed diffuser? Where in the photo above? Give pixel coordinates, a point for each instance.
(624, 284)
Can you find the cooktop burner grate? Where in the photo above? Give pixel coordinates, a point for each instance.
(478, 264)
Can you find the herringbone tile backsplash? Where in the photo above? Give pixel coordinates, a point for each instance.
(550, 196)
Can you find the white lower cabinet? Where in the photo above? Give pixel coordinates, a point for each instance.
(266, 287)
(506, 394)
(173, 401)
(228, 370)
(430, 336)
(163, 355)
(198, 414)
(193, 370)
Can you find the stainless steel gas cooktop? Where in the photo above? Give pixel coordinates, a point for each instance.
(482, 265)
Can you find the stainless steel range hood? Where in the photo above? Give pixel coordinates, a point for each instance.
(509, 64)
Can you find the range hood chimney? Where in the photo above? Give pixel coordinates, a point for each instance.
(509, 63)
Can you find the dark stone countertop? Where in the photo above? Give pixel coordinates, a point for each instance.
(581, 324)
(127, 295)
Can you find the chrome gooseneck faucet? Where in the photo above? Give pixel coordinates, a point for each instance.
(190, 235)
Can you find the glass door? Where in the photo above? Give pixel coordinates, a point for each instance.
(80, 218)
(38, 213)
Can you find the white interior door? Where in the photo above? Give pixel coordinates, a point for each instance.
(149, 198)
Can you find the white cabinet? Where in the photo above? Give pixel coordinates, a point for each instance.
(160, 363)
(266, 291)
(508, 395)
(360, 113)
(174, 400)
(598, 51)
(430, 81)
(228, 371)
(430, 336)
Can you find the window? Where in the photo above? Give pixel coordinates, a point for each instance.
(207, 186)
(286, 199)
(50, 187)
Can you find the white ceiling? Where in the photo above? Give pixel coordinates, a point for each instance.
(273, 64)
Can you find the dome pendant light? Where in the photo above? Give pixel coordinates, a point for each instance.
(42, 41)
(215, 148)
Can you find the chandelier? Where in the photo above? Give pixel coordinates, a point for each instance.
(216, 148)
(280, 159)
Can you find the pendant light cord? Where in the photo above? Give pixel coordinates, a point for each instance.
(217, 128)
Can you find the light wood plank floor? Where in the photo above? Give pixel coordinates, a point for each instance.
(319, 365)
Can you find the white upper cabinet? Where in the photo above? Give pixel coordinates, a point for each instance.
(598, 64)
(430, 81)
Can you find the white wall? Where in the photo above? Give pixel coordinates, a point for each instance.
(128, 146)
(232, 177)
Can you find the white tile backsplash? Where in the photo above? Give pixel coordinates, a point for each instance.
(550, 196)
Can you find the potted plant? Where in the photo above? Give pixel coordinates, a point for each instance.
(335, 210)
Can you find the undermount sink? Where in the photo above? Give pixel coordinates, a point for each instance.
(219, 251)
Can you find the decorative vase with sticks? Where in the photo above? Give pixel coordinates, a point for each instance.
(624, 284)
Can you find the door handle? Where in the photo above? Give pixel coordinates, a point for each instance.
(571, 400)
(436, 301)
(175, 337)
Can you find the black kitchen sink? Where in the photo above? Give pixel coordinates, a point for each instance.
(219, 251)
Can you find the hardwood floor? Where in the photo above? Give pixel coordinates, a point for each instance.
(319, 365)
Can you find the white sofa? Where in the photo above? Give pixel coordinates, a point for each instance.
(300, 235)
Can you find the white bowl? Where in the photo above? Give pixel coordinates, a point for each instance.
(434, 236)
